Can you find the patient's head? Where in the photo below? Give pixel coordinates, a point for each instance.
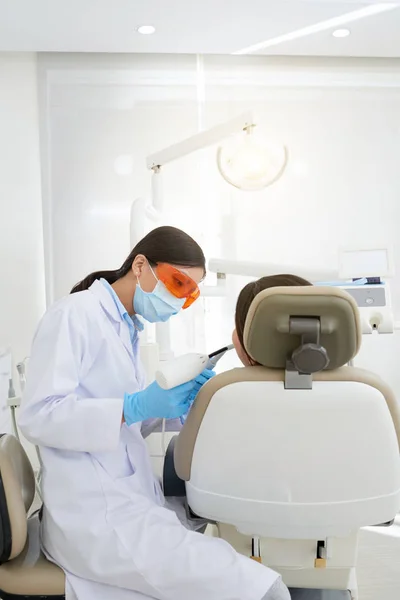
(246, 297)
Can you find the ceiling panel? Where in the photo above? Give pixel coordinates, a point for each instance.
(185, 26)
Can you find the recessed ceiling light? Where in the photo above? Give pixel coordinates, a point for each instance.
(146, 29)
(341, 33)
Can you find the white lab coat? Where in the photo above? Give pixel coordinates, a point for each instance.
(104, 520)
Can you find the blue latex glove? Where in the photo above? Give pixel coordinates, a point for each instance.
(200, 380)
(154, 402)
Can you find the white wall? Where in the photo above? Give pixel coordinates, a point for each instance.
(21, 237)
(22, 297)
(339, 119)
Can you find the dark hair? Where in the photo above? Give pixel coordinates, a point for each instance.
(250, 291)
(164, 244)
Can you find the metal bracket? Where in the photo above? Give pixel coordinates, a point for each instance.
(295, 380)
(310, 357)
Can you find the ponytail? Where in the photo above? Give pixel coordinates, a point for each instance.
(110, 276)
(164, 244)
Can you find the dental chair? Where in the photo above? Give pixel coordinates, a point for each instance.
(291, 458)
(24, 571)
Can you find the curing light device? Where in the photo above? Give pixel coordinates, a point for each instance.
(184, 368)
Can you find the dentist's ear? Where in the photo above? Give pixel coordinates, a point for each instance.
(144, 273)
(138, 265)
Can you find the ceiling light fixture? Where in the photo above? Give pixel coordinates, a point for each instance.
(350, 17)
(341, 33)
(248, 162)
(146, 29)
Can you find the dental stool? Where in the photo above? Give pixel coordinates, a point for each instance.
(291, 458)
(24, 571)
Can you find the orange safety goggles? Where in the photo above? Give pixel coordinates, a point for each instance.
(178, 284)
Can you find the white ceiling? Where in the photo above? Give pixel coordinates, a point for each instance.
(193, 26)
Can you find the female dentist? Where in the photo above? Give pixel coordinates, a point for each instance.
(104, 519)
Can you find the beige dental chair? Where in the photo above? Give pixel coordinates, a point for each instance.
(24, 571)
(291, 458)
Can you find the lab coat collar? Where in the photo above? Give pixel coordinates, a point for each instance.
(110, 308)
(133, 321)
(106, 300)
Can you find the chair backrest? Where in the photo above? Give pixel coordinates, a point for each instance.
(300, 446)
(17, 492)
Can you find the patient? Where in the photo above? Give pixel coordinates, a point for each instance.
(246, 297)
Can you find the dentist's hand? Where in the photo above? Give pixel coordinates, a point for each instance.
(200, 380)
(154, 402)
(198, 383)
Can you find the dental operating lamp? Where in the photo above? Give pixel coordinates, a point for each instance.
(245, 160)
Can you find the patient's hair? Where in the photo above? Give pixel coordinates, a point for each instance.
(250, 291)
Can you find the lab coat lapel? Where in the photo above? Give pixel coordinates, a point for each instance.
(117, 322)
(126, 338)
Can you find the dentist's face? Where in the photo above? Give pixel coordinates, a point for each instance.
(239, 350)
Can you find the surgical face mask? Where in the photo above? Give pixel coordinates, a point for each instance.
(158, 305)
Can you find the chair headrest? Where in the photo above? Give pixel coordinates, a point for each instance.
(319, 327)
